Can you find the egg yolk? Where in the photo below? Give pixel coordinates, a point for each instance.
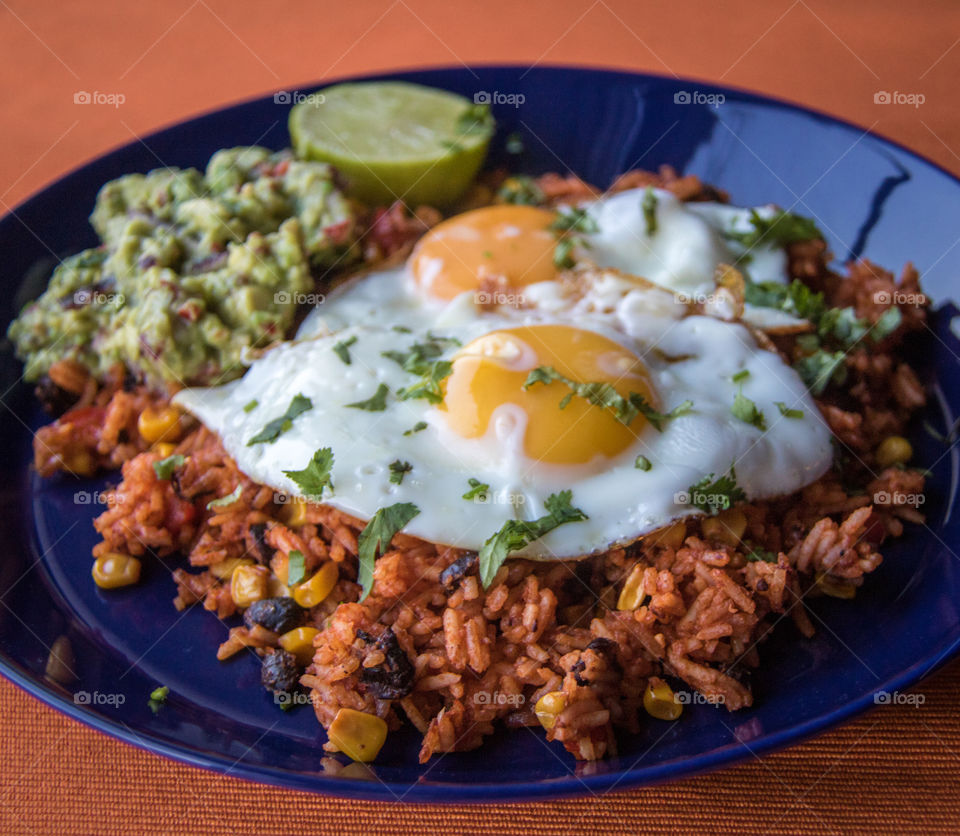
(506, 246)
(491, 371)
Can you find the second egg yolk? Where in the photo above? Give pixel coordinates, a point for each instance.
(508, 246)
(491, 371)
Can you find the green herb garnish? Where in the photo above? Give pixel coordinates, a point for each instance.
(606, 396)
(514, 143)
(649, 205)
(251, 405)
(429, 386)
(376, 536)
(316, 475)
(296, 567)
(569, 226)
(741, 375)
(165, 467)
(158, 697)
(515, 534)
(777, 231)
(376, 403)
(820, 369)
(398, 470)
(715, 495)
(757, 555)
(420, 426)
(477, 488)
(786, 411)
(521, 191)
(642, 463)
(342, 349)
(746, 410)
(224, 501)
(275, 428)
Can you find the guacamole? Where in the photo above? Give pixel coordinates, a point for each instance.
(194, 269)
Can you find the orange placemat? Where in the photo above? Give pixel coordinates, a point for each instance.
(892, 770)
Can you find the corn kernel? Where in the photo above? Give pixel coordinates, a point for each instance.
(164, 449)
(357, 734)
(548, 708)
(727, 527)
(276, 588)
(248, 584)
(224, 569)
(79, 463)
(836, 587)
(672, 536)
(313, 591)
(159, 424)
(113, 569)
(632, 594)
(299, 642)
(894, 449)
(660, 702)
(294, 513)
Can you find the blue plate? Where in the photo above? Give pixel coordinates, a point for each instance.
(871, 197)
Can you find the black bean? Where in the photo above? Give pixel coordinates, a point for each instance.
(55, 400)
(279, 615)
(280, 672)
(458, 570)
(392, 678)
(258, 531)
(606, 648)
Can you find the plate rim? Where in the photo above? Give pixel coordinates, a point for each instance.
(571, 785)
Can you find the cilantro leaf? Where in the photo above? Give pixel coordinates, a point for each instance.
(515, 534)
(398, 470)
(224, 501)
(741, 375)
(376, 403)
(251, 405)
(786, 411)
(780, 229)
(649, 206)
(521, 191)
(642, 463)
(715, 495)
(746, 410)
(606, 396)
(477, 488)
(296, 567)
(375, 539)
(429, 386)
(418, 427)
(563, 253)
(574, 219)
(820, 369)
(315, 476)
(165, 467)
(342, 349)
(275, 428)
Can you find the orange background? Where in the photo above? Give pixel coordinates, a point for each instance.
(895, 768)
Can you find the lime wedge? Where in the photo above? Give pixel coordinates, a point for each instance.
(392, 140)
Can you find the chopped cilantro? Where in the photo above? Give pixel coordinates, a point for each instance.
(398, 470)
(786, 411)
(574, 219)
(715, 495)
(342, 349)
(165, 467)
(316, 475)
(251, 405)
(642, 463)
(401, 329)
(296, 567)
(275, 428)
(515, 534)
(563, 253)
(477, 488)
(741, 375)
(429, 386)
(375, 539)
(746, 410)
(521, 191)
(820, 369)
(606, 396)
(376, 403)
(420, 426)
(158, 697)
(777, 231)
(224, 501)
(649, 205)
(514, 144)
